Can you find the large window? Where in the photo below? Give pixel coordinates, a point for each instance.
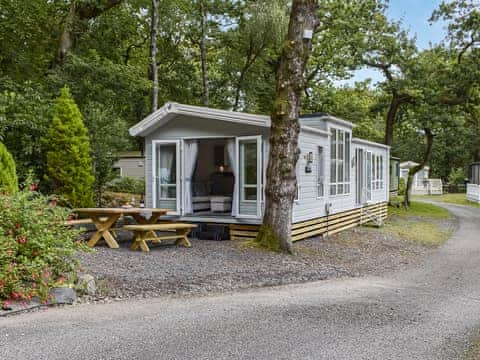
(320, 173)
(377, 172)
(248, 162)
(339, 162)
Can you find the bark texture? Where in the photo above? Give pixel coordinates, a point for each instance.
(426, 158)
(153, 54)
(275, 232)
(80, 11)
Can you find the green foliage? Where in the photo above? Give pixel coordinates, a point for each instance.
(68, 153)
(8, 174)
(127, 185)
(25, 115)
(36, 248)
(108, 136)
(420, 209)
(401, 186)
(457, 176)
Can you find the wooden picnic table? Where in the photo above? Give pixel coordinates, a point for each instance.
(105, 218)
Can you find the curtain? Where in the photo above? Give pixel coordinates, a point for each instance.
(191, 153)
(167, 169)
(233, 164)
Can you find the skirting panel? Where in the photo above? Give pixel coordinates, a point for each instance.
(319, 226)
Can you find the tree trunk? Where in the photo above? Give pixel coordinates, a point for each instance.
(80, 11)
(391, 119)
(203, 52)
(415, 169)
(275, 232)
(153, 54)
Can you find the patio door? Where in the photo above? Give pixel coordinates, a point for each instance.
(250, 176)
(166, 175)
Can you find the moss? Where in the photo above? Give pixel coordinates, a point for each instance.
(266, 239)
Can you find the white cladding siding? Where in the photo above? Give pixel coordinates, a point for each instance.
(308, 205)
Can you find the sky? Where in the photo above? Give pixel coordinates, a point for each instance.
(414, 15)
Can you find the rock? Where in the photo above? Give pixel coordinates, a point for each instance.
(63, 295)
(86, 284)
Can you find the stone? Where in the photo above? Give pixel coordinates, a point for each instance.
(86, 284)
(62, 295)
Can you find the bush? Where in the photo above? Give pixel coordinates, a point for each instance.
(457, 176)
(36, 248)
(69, 160)
(401, 186)
(127, 185)
(8, 175)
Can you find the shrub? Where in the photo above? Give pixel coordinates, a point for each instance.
(36, 248)
(401, 186)
(8, 175)
(127, 185)
(69, 160)
(457, 176)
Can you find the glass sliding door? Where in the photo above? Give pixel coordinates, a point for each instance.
(250, 175)
(166, 175)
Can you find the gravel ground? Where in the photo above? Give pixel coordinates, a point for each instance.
(219, 266)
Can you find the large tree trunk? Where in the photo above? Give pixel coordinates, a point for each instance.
(415, 169)
(80, 11)
(397, 101)
(203, 51)
(153, 54)
(275, 232)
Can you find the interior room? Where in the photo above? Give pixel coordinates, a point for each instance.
(213, 180)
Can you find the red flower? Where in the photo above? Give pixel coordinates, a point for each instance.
(23, 240)
(17, 225)
(33, 187)
(15, 295)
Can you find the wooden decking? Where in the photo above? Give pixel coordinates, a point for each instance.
(320, 226)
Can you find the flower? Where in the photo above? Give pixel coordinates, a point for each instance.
(22, 240)
(17, 225)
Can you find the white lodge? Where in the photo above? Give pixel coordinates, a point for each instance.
(209, 166)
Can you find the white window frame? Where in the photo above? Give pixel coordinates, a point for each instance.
(377, 172)
(155, 143)
(345, 162)
(320, 181)
(260, 176)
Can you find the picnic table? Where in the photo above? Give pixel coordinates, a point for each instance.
(105, 218)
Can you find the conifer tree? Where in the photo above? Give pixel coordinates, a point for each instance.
(8, 175)
(69, 160)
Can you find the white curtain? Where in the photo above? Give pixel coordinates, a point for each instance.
(166, 156)
(233, 164)
(191, 153)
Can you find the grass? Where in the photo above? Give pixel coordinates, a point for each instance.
(460, 199)
(473, 352)
(420, 223)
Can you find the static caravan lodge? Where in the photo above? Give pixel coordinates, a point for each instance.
(422, 183)
(473, 187)
(209, 166)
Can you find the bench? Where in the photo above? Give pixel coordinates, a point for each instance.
(146, 232)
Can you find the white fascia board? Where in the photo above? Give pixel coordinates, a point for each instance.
(314, 130)
(339, 121)
(170, 110)
(370, 143)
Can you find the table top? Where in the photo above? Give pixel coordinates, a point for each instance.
(106, 211)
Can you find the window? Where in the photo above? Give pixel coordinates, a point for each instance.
(320, 173)
(339, 162)
(377, 172)
(167, 171)
(248, 162)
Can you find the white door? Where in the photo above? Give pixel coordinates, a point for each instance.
(250, 175)
(166, 175)
(368, 173)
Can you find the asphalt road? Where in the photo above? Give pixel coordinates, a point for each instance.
(424, 313)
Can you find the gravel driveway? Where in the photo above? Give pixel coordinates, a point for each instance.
(218, 266)
(424, 313)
